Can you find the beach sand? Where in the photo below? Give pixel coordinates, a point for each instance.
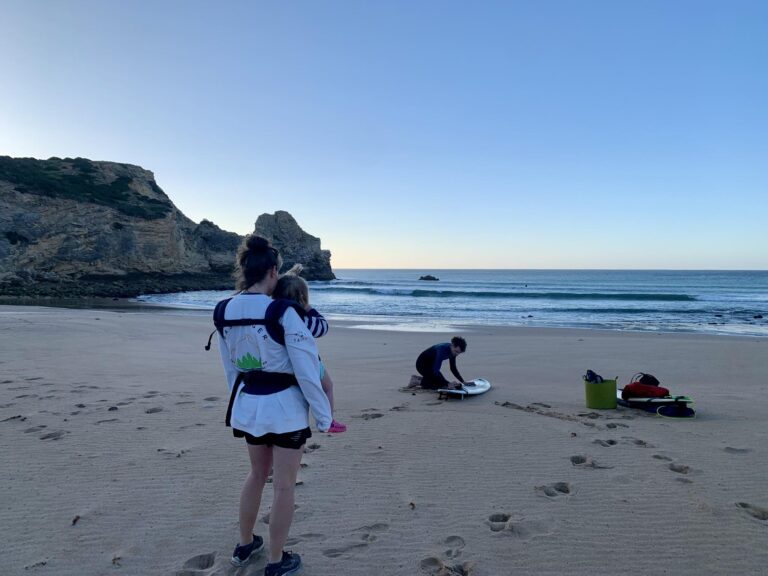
(115, 459)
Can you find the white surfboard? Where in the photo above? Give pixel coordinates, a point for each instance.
(469, 388)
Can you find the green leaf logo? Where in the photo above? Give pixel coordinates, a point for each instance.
(248, 362)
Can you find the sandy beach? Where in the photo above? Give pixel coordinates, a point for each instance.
(116, 460)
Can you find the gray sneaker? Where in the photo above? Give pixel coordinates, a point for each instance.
(243, 554)
(288, 566)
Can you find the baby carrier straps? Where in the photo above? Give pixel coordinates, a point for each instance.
(257, 382)
(271, 320)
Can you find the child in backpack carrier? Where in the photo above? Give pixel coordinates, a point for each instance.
(290, 286)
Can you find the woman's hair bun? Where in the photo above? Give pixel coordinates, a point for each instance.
(254, 242)
(255, 258)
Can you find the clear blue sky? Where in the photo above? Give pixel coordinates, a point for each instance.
(528, 134)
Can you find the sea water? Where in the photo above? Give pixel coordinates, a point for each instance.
(722, 302)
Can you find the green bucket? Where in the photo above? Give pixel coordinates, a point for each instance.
(601, 396)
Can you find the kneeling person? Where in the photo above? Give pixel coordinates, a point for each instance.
(431, 360)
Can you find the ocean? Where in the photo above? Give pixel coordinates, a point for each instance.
(712, 302)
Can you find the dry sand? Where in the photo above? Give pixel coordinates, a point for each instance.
(116, 461)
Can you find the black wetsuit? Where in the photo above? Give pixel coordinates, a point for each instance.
(428, 365)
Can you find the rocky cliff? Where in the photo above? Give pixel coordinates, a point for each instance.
(295, 245)
(74, 227)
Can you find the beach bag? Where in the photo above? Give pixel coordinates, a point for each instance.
(646, 379)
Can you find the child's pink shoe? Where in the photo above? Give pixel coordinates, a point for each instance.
(337, 427)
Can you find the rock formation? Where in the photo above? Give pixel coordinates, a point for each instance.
(74, 227)
(295, 245)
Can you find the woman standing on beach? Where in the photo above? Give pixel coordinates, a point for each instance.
(272, 388)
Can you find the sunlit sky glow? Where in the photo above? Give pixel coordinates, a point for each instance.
(436, 134)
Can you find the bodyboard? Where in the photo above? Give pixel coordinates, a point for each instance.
(669, 406)
(469, 388)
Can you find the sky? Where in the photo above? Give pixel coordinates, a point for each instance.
(420, 134)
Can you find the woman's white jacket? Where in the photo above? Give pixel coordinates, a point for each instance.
(251, 347)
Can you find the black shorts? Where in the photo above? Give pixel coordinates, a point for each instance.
(291, 440)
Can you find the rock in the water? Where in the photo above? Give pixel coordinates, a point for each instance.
(429, 277)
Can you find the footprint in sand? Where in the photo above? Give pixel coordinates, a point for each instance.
(369, 532)
(57, 435)
(211, 399)
(184, 402)
(662, 457)
(555, 490)
(680, 468)
(196, 564)
(19, 388)
(636, 442)
(581, 461)
(616, 425)
(309, 448)
(455, 546)
(401, 408)
(309, 537)
(18, 417)
(436, 567)
(605, 443)
(154, 410)
(172, 453)
(369, 414)
(518, 527)
(33, 378)
(732, 450)
(369, 535)
(35, 429)
(336, 552)
(754, 511)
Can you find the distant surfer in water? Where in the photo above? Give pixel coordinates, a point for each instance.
(431, 360)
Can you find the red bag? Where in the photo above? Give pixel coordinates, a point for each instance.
(637, 390)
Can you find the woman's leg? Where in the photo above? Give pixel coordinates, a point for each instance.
(285, 463)
(327, 385)
(250, 497)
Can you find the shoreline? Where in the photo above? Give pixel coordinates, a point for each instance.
(359, 322)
